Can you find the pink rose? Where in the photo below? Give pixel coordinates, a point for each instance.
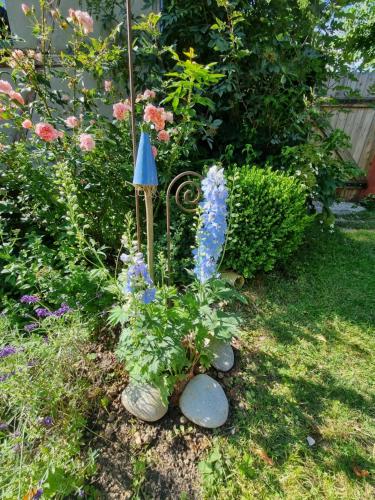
(27, 124)
(25, 9)
(168, 116)
(108, 85)
(121, 110)
(5, 87)
(72, 122)
(149, 94)
(154, 151)
(86, 142)
(163, 136)
(47, 132)
(84, 20)
(38, 57)
(72, 15)
(16, 96)
(155, 116)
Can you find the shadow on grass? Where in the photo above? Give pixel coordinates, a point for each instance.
(323, 299)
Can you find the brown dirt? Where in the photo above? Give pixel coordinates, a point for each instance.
(141, 460)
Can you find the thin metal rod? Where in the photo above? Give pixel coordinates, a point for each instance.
(132, 114)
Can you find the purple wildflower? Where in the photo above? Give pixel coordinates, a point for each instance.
(5, 377)
(30, 327)
(42, 312)
(213, 224)
(7, 351)
(45, 421)
(38, 494)
(64, 309)
(139, 280)
(29, 299)
(3, 426)
(17, 448)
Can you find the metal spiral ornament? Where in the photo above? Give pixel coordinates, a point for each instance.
(187, 198)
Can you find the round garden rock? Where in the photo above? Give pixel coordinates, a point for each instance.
(143, 401)
(223, 355)
(204, 402)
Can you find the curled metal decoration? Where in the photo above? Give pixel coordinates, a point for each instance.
(187, 199)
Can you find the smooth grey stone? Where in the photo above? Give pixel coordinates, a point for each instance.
(143, 401)
(223, 355)
(204, 402)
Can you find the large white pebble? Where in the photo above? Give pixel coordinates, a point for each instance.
(223, 355)
(143, 401)
(204, 402)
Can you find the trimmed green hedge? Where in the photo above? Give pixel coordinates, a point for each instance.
(268, 219)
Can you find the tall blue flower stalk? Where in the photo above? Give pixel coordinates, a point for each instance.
(212, 226)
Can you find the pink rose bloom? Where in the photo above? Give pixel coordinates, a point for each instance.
(16, 96)
(84, 20)
(155, 116)
(72, 15)
(154, 151)
(38, 56)
(5, 87)
(25, 9)
(27, 124)
(168, 116)
(121, 110)
(163, 136)
(108, 85)
(86, 142)
(72, 122)
(149, 94)
(47, 132)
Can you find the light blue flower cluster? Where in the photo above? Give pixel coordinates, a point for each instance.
(212, 226)
(138, 280)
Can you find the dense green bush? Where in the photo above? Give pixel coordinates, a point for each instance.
(268, 219)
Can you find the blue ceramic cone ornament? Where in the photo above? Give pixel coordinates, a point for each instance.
(145, 173)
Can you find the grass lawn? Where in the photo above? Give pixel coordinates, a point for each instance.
(307, 369)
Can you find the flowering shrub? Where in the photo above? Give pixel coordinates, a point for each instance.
(166, 334)
(43, 398)
(65, 155)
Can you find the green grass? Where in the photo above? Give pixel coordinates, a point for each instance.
(307, 369)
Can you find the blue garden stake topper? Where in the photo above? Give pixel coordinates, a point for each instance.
(146, 179)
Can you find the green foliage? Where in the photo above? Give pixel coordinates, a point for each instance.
(268, 219)
(45, 380)
(318, 166)
(165, 339)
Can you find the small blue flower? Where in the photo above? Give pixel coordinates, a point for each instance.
(149, 295)
(138, 279)
(46, 421)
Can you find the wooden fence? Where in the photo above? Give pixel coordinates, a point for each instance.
(354, 113)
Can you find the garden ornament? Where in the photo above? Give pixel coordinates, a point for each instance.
(146, 180)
